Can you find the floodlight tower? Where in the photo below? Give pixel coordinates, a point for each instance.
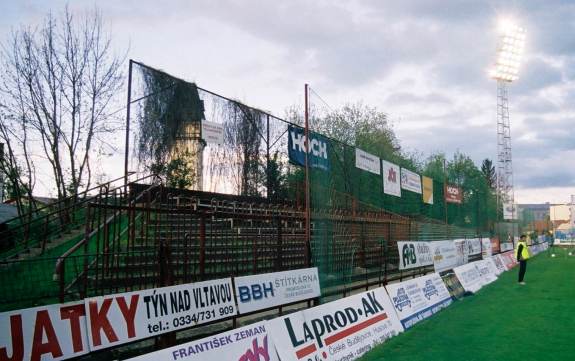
(506, 70)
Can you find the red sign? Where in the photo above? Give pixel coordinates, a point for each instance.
(54, 332)
(453, 194)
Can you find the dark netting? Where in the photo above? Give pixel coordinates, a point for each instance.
(354, 223)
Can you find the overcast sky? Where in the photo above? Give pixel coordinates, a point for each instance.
(423, 62)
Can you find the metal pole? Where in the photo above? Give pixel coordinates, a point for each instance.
(128, 106)
(268, 180)
(307, 190)
(444, 196)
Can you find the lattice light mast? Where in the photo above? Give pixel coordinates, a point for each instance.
(506, 70)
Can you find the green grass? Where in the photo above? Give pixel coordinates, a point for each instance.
(29, 282)
(503, 321)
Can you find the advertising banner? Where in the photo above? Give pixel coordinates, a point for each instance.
(474, 246)
(493, 267)
(249, 343)
(444, 255)
(453, 194)
(509, 211)
(499, 264)
(391, 178)
(54, 332)
(509, 259)
(427, 189)
(453, 285)
(486, 248)
(462, 251)
(417, 299)
(495, 248)
(131, 316)
(212, 133)
(506, 246)
(263, 291)
(410, 181)
(340, 330)
(319, 148)
(485, 270)
(469, 277)
(414, 254)
(366, 161)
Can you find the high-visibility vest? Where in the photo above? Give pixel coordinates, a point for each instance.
(524, 251)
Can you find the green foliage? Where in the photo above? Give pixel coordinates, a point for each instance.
(488, 170)
(277, 179)
(362, 126)
(177, 172)
(168, 104)
(367, 128)
(243, 127)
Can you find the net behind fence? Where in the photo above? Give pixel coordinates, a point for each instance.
(198, 139)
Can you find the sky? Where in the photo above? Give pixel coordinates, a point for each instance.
(424, 63)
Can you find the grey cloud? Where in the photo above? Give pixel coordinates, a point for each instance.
(400, 98)
(534, 105)
(536, 74)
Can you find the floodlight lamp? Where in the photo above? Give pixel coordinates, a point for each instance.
(510, 49)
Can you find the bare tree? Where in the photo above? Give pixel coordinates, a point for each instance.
(59, 81)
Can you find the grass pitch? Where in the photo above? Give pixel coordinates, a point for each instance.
(504, 321)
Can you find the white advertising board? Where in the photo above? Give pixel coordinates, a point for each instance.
(54, 332)
(212, 132)
(249, 343)
(469, 277)
(410, 181)
(417, 299)
(493, 267)
(509, 259)
(507, 246)
(486, 251)
(341, 330)
(499, 264)
(444, 255)
(414, 254)
(263, 291)
(391, 178)
(126, 317)
(366, 161)
(474, 246)
(462, 251)
(485, 271)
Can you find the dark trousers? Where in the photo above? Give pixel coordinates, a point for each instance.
(522, 269)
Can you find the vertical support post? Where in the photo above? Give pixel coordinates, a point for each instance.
(279, 263)
(202, 246)
(128, 106)
(268, 180)
(62, 279)
(445, 190)
(307, 190)
(86, 256)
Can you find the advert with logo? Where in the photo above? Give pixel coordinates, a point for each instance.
(337, 331)
(419, 298)
(249, 343)
(263, 291)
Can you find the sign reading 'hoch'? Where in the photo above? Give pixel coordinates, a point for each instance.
(318, 148)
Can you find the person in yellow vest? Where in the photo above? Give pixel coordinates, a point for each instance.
(522, 255)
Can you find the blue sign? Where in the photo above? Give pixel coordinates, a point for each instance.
(318, 149)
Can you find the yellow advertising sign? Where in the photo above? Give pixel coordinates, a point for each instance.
(427, 189)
